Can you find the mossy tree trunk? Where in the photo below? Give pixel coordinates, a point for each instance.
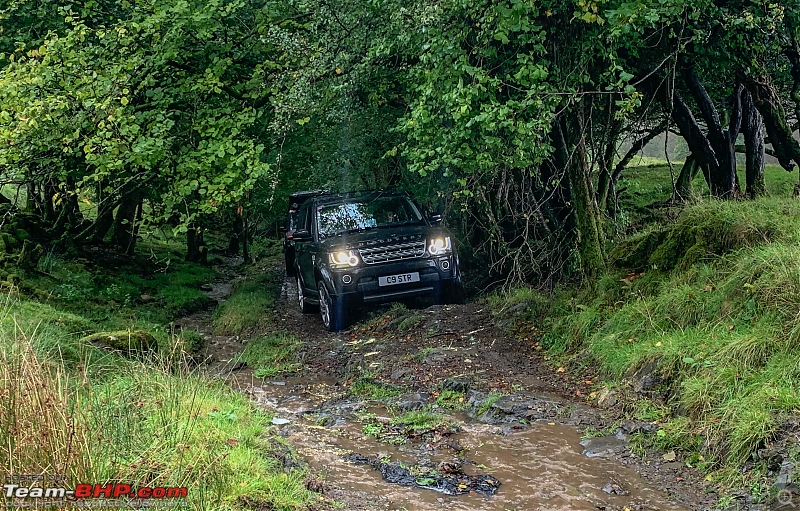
(588, 220)
(753, 130)
(124, 235)
(766, 100)
(683, 185)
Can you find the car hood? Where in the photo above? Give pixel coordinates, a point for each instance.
(382, 236)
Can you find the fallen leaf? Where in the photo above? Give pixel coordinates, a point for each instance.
(670, 456)
(659, 344)
(561, 369)
(232, 442)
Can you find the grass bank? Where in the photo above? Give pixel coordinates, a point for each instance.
(74, 407)
(696, 327)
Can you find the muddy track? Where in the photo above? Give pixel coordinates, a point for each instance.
(520, 420)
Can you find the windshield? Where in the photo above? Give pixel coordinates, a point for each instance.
(357, 214)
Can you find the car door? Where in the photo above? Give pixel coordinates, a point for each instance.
(304, 250)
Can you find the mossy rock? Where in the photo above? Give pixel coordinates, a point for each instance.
(129, 342)
(634, 252)
(700, 233)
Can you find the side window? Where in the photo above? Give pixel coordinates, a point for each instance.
(302, 215)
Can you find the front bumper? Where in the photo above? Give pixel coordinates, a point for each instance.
(360, 284)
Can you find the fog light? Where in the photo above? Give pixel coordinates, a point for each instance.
(347, 279)
(445, 264)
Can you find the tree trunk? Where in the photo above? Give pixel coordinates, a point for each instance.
(786, 147)
(683, 186)
(191, 242)
(124, 235)
(606, 163)
(196, 249)
(48, 210)
(753, 130)
(793, 54)
(34, 202)
(699, 146)
(245, 237)
(584, 205)
(722, 175)
(236, 234)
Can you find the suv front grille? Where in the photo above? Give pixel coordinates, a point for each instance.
(396, 252)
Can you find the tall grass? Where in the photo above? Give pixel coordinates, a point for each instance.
(41, 428)
(139, 423)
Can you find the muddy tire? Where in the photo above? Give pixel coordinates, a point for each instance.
(331, 309)
(302, 301)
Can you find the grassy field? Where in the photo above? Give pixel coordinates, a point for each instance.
(707, 306)
(73, 407)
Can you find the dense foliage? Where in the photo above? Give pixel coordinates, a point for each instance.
(516, 117)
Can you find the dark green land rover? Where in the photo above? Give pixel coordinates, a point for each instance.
(369, 247)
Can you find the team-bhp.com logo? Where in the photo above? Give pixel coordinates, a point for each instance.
(30, 490)
(86, 491)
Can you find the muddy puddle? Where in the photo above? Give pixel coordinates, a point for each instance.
(541, 466)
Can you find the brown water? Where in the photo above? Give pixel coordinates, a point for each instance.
(541, 467)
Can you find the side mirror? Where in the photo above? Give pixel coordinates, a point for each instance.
(435, 218)
(301, 235)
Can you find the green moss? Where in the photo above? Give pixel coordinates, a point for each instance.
(273, 355)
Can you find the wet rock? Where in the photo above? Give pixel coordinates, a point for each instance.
(514, 404)
(449, 484)
(786, 476)
(613, 488)
(401, 372)
(674, 465)
(130, 342)
(457, 384)
(631, 426)
(646, 378)
(772, 457)
(412, 401)
(517, 307)
(606, 398)
(475, 396)
(604, 446)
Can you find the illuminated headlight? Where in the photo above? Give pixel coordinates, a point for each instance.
(343, 259)
(439, 246)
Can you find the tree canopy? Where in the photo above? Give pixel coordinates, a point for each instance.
(516, 117)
